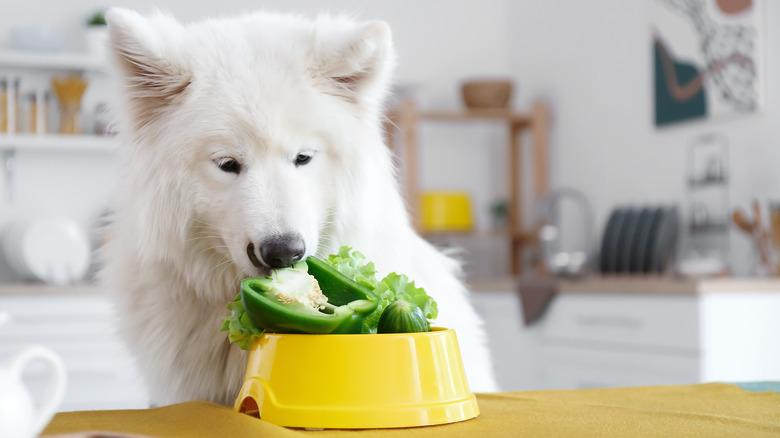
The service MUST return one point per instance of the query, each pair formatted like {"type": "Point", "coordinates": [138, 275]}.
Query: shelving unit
{"type": "Point", "coordinates": [57, 142]}
{"type": "Point", "coordinates": [17, 62]}
{"type": "Point", "coordinates": [52, 61]}
{"type": "Point", "coordinates": [708, 213]}
{"type": "Point", "coordinates": [20, 63]}
{"type": "Point", "coordinates": [407, 119]}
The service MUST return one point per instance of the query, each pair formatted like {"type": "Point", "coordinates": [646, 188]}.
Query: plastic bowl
{"type": "Point", "coordinates": [357, 381]}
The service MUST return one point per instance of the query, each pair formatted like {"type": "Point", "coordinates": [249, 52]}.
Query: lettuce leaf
{"type": "Point", "coordinates": [354, 265]}
{"type": "Point", "coordinates": [238, 325]}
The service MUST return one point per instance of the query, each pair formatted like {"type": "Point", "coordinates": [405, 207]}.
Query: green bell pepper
{"type": "Point", "coordinates": [290, 301]}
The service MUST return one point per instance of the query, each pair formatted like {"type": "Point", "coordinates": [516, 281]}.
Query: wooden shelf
{"type": "Point", "coordinates": [52, 61]}
{"type": "Point", "coordinates": [504, 115]}
{"type": "Point", "coordinates": [57, 143]}
{"type": "Point", "coordinates": [528, 236]}
{"type": "Point", "coordinates": [407, 119]}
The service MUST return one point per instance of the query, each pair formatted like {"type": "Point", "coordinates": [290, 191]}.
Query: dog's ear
{"type": "Point", "coordinates": [356, 68]}
{"type": "Point", "coordinates": [152, 81]}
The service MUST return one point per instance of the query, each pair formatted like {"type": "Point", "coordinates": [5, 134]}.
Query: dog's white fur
{"type": "Point", "coordinates": [259, 89]}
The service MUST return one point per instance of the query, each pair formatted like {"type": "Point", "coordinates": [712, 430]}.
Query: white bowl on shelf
{"type": "Point", "coordinates": [49, 249]}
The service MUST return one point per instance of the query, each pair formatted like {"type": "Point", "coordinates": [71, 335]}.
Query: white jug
{"type": "Point", "coordinates": [18, 417]}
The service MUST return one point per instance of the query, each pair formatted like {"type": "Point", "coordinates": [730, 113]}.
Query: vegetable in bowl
{"type": "Point", "coordinates": [336, 295]}
{"type": "Point", "coordinates": [402, 317]}
{"type": "Point", "coordinates": [291, 300]}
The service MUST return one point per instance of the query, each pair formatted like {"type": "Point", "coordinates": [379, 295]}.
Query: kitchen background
{"type": "Point", "coordinates": [590, 62]}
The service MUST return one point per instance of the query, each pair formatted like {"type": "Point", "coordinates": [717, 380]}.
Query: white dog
{"type": "Point", "coordinates": [249, 143]}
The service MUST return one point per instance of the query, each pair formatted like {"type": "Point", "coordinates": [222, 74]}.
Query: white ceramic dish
{"type": "Point", "coordinates": [50, 249]}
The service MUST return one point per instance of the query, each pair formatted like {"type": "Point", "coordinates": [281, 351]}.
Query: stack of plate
{"type": "Point", "coordinates": [639, 240]}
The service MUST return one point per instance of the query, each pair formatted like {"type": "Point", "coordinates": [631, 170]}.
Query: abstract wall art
{"type": "Point", "coordinates": [706, 58]}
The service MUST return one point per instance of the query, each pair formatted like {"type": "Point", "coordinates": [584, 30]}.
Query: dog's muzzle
{"type": "Point", "coordinates": [279, 251]}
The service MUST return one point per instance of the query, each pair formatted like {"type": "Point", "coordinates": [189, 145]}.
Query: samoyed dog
{"type": "Point", "coordinates": [247, 144]}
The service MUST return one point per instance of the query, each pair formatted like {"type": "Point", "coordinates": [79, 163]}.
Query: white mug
{"type": "Point", "coordinates": [18, 417]}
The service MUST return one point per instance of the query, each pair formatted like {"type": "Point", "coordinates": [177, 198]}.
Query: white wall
{"type": "Point", "coordinates": [438, 42]}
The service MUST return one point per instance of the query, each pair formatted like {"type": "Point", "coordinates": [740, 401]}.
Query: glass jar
{"type": "Point", "coordinates": [37, 104]}
{"type": "Point", "coordinates": [69, 91]}
{"type": "Point", "coordinates": [3, 105]}
{"type": "Point", "coordinates": [102, 119]}
{"type": "Point", "coordinates": [9, 105]}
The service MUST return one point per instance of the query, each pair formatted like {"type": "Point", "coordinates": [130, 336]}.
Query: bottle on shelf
{"type": "Point", "coordinates": [37, 104]}
{"type": "Point", "coordinates": [103, 120]}
{"type": "Point", "coordinates": [3, 105]}
{"type": "Point", "coordinates": [9, 105]}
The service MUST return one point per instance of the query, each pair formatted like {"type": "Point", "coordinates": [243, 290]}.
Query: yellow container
{"type": "Point", "coordinates": [447, 211]}
{"type": "Point", "coordinates": [357, 381]}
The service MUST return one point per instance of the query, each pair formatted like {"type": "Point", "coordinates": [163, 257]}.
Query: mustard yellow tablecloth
{"type": "Point", "coordinates": [707, 410]}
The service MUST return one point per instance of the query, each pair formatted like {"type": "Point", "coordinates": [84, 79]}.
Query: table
{"type": "Point", "coordinates": [715, 409]}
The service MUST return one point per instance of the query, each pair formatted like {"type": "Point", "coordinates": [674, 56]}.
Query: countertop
{"type": "Point", "coordinates": [668, 285]}
{"type": "Point", "coordinates": [594, 284]}
{"type": "Point", "coordinates": [41, 289]}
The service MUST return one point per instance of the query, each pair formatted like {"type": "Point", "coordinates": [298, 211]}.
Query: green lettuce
{"type": "Point", "coordinates": [354, 265]}
{"type": "Point", "coordinates": [240, 329]}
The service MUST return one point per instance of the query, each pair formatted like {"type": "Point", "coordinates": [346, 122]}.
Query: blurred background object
{"type": "Point", "coordinates": [446, 212]}
{"type": "Point", "coordinates": [574, 260]}
{"type": "Point", "coordinates": [487, 93]}
{"type": "Point", "coordinates": [38, 38]}
{"type": "Point", "coordinates": [705, 249]}
{"type": "Point", "coordinates": [69, 91]}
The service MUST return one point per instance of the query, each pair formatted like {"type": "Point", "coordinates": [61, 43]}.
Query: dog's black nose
{"type": "Point", "coordinates": [282, 250]}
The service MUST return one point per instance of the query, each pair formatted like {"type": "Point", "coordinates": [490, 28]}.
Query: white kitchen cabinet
{"type": "Point", "coordinates": [78, 323]}
{"type": "Point", "coordinates": [618, 332]}
{"type": "Point", "coordinates": [513, 347]}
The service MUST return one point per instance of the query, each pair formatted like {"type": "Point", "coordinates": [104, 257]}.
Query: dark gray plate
{"type": "Point", "coordinates": [625, 240]}
{"type": "Point", "coordinates": [647, 240]}
{"type": "Point", "coordinates": [606, 239]}
{"type": "Point", "coordinates": [639, 241]}
{"type": "Point", "coordinates": [613, 236]}
{"type": "Point", "coordinates": [666, 241]}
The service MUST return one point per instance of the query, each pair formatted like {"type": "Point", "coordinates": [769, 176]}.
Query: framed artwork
{"type": "Point", "coordinates": [706, 58]}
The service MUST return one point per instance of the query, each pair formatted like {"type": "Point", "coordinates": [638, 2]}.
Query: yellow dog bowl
{"type": "Point", "coordinates": [446, 211]}
{"type": "Point", "coordinates": [357, 381]}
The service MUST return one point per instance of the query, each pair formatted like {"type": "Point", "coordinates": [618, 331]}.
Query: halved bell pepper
{"type": "Point", "coordinates": [269, 304]}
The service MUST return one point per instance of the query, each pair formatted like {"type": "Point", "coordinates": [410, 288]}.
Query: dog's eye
{"type": "Point", "coordinates": [229, 165]}
{"type": "Point", "coordinates": [302, 159]}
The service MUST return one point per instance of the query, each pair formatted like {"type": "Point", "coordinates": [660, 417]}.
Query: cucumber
{"type": "Point", "coordinates": [402, 317]}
